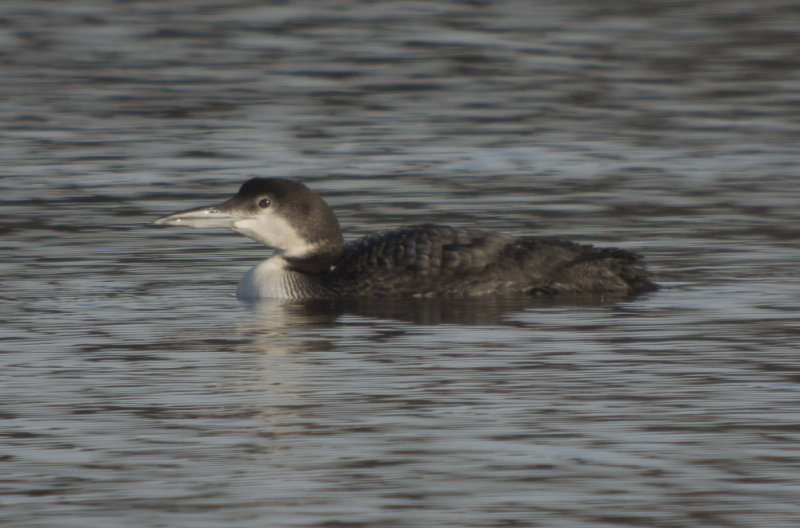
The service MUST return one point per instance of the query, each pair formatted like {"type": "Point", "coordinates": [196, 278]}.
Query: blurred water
{"type": "Point", "coordinates": [136, 391]}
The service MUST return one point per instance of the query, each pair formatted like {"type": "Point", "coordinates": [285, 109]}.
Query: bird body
{"type": "Point", "coordinates": [312, 262]}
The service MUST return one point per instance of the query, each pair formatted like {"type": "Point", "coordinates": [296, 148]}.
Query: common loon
{"type": "Point", "coordinates": [311, 260]}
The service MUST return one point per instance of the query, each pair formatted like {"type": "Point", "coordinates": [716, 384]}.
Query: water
{"type": "Point", "coordinates": [136, 390]}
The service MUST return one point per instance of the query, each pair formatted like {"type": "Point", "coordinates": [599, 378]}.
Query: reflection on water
{"type": "Point", "coordinates": [135, 390]}
{"type": "Point", "coordinates": [491, 310]}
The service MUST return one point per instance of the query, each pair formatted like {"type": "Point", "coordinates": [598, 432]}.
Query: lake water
{"type": "Point", "coordinates": [135, 390]}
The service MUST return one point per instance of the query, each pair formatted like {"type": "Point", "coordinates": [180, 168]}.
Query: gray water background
{"type": "Point", "coordinates": [136, 391]}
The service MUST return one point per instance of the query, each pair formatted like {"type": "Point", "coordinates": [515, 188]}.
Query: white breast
{"type": "Point", "coordinates": [267, 280]}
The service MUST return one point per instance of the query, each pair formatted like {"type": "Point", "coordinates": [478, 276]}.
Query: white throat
{"type": "Point", "coordinates": [274, 231]}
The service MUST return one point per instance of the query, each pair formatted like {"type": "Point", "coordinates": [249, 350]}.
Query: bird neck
{"type": "Point", "coordinates": [314, 263]}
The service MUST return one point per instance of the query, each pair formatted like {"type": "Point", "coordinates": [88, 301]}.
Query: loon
{"type": "Point", "coordinates": [311, 260]}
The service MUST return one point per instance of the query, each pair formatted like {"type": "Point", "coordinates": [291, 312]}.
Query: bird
{"type": "Point", "coordinates": [311, 260]}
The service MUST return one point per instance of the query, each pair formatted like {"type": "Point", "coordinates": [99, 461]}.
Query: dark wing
{"type": "Point", "coordinates": [425, 250]}
{"type": "Point", "coordinates": [602, 270]}
{"type": "Point", "coordinates": [441, 260]}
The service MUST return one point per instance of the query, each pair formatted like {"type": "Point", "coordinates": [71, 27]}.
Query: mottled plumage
{"type": "Point", "coordinates": [430, 260]}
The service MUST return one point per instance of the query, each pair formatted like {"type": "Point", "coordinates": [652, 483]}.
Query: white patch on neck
{"type": "Point", "coordinates": [266, 280]}
{"type": "Point", "coordinates": [274, 231]}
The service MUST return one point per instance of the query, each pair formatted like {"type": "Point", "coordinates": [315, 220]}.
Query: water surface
{"type": "Point", "coordinates": [135, 390]}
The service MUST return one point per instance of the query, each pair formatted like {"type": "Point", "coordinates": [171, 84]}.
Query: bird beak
{"type": "Point", "coordinates": [215, 216]}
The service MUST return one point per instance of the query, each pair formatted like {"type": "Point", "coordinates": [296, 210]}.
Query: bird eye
{"type": "Point", "coordinates": [264, 203]}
